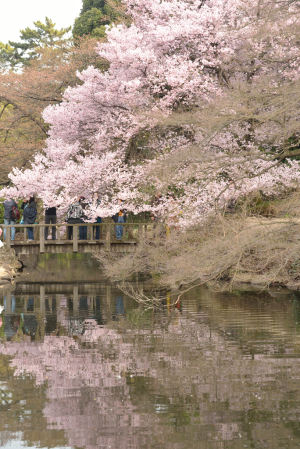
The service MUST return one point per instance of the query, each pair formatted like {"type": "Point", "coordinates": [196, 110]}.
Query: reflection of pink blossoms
{"type": "Point", "coordinates": [192, 363]}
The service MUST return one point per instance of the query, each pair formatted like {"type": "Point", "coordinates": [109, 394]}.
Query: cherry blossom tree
{"type": "Point", "coordinates": [25, 94]}
{"type": "Point", "coordinates": [206, 82]}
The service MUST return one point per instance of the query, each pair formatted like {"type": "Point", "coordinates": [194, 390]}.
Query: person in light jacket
{"type": "Point", "coordinates": [120, 217]}
{"type": "Point", "coordinates": [74, 214]}
{"type": "Point", "coordinates": [8, 220]}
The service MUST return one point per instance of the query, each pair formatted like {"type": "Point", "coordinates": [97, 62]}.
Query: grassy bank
{"type": "Point", "coordinates": [258, 243]}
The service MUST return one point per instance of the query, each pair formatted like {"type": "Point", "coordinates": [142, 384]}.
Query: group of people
{"type": "Point", "coordinates": [11, 214]}
{"type": "Point", "coordinates": [76, 214]}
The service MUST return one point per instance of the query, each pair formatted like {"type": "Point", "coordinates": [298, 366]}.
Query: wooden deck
{"type": "Point", "coordinates": [132, 234]}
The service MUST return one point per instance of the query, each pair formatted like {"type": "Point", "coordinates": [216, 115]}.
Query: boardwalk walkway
{"type": "Point", "coordinates": [132, 234]}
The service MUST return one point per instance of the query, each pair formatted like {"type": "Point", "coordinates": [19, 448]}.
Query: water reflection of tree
{"type": "Point", "coordinates": [21, 409]}
{"type": "Point", "coordinates": [167, 378]}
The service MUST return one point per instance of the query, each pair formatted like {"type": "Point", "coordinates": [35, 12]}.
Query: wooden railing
{"type": "Point", "coordinates": [132, 233]}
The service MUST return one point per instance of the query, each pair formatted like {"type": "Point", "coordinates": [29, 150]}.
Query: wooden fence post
{"type": "Point", "coordinates": [37, 229]}
{"type": "Point", "coordinates": [130, 231]}
{"type": "Point", "coordinates": [75, 298]}
{"type": "Point", "coordinates": [108, 239]}
{"type": "Point", "coordinates": [141, 231]}
{"type": "Point", "coordinates": [42, 298]}
{"type": "Point", "coordinates": [75, 239]}
{"type": "Point", "coordinates": [8, 243]}
{"type": "Point", "coordinates": [8, 302]}
{"type": "Point", "coordinates": [42, 239]}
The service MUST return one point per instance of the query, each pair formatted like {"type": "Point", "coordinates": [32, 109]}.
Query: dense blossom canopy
{"type": "Point", "coordinates": [184, 58]}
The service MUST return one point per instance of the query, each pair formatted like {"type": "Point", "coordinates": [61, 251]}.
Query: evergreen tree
{"type": "Point", "coordinates": [87, 5]}
{"type": "Point", "coordinates": [16, 54]}
{"type": "Point", "coordinates": [95, 15]}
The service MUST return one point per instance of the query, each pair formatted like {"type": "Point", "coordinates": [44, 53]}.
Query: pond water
{"type": "Point", "coordinates": [82, 367]}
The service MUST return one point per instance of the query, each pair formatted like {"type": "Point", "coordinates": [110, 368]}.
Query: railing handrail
{"type": "Point", "coordinates": [2, 225]}
{"type": "Point", "coordinates": [103, 235]}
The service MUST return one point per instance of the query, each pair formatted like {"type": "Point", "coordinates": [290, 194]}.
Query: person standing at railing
{"type": "Point", "coordinates": [83, 229]}
{"type": "Point", "coordinates": [50, 217]}
{"type": "Point", "coordinates": [96, 229]}
{"type": "Point", "coordinates": [8, 218]}
{"type": "Point", "coordinates": [23, 206]}
{"type": "Point", "coordinates": [120, 217]}
{"type": "Point", "coordinates": [29, 217]}
{"type": "Point", "coordinates": [25, 203]}
{"type": "Point", "coordinates": [74, 214]}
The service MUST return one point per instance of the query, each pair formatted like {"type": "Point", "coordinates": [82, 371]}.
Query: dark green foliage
{"type": "Point", "coordinates": [94, 16]}
{"type": "Point", "coordinates": [91, 23]}
{"type": "Point", "coordinates": [33, 40]}
{"type": "Point", "coordinates": [87, 5]}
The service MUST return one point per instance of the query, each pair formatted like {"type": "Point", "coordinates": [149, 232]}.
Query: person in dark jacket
{"type": "Point", "coordinates": [120, 217]}
{"type": "Point", "coordinates": [24, 204]}
{"type": "Point", "coordinates": [29, 216]}
{"type": "Point", "coordinates": [83, 229]}
{"type": "Point", "coordinates": [50, 217]}
{"type": "Point", "coordinates": [8, 220]}
{"type": "Point", "coordinates": [96, 229]}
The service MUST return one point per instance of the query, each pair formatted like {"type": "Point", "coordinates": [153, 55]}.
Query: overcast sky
{"type": "Point", "coordinates": [16, 15]}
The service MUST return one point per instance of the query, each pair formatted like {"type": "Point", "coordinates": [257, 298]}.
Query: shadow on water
{"type": "Point", "coordinates": [82, 367]}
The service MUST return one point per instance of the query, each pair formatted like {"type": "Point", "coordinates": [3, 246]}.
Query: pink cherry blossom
{"type": "Point", "coordinates": [171, 57]}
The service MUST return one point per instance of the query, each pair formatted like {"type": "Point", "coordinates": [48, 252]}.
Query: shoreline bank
{"type": "Point", "coordinates": [9, 266]}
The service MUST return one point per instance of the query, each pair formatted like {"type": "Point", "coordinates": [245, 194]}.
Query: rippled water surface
{"type": "Point", "coordinates": [82, 367]}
